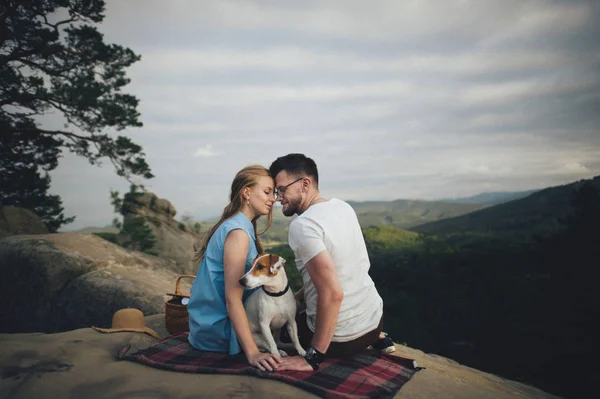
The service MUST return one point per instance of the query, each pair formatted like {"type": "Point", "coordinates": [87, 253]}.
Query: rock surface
{"type": "Point", "coordinates": [15, 221]}
{"type": "Point", "coordinates": [60, 282]}
{"type": "Point", "coordinates": [82, 364]}
{"type": "Point", "coordinates": [174, 240]}
{"type": "Point", "coordinates": [68, 282]}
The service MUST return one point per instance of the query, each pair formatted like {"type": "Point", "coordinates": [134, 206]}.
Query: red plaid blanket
{"type": "Point", "coordinates": [366, 375]}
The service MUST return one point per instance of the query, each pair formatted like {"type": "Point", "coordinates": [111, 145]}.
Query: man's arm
{"type": "Point", "coordinates": [306, 239]}
{"type": "Point", "coordinates": [323, 275]}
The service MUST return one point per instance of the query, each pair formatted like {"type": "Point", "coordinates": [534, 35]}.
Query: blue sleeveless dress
{"type": "Point", "coordinates": [210, 326]}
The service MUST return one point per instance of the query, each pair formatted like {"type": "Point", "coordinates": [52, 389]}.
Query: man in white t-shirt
{"type": "Point", "coordinates": [344, 312]}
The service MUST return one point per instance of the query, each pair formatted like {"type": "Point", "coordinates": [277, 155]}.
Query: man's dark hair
{"type": "Point", "coordinates": [295, 164]}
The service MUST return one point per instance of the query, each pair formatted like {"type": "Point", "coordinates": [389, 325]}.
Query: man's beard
{"type": "Point", "coordinates": [292, 207]}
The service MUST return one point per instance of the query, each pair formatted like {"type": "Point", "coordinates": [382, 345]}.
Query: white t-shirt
{"type": "Point", "coordinates": [333, 225]}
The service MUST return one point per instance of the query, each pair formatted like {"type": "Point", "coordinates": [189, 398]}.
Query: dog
{"type": "Point", "coordinates": [270, 308]}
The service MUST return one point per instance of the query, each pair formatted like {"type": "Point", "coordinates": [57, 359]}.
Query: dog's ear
{"type": "Point", "coordinates": [276, 262]}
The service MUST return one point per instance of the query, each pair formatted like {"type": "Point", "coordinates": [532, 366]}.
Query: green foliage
{"type": "Point", "coordinates": [54, 65]}
{"type": "Point", "coordinates": [188, 220]}
{"type": "Point", "coordinates": [136, 233]}
{"type": "Point", "coordinates": [106, 229]}
{"type": "Point", "coordinates": [278, 232]}
{"type": "Point", "coordinates": [181, 226]}
{"type": "Point", "coordinates": [512, 307]}
{"type": "Point", "coordinates": [388, 237]}
{"type": "Point", "coordinates": [382, 237]}
{"type": "Point", "coordinates": [139, 236]}
{"type": "Point", "coordinates": [401, 214]}
{"type": "Point", "coordinates": [117, 202]}
{"type": "Point", "coordinates": [25, 161]}
{"type": "Point", "coordinates": [291, 271]}
{"type": "Point", "coordinates": [112, 237]}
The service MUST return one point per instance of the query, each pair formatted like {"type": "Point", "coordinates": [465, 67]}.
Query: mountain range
{"type": "Point", "coordinates": [506, 212]}
{"type": "Point", "coordinates": [491, 198]}
{"type": "Point", "coordinates": [540, 213]}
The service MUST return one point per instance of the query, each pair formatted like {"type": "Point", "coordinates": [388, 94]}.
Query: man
{"type": "Point", "coordinates": [344, 312]}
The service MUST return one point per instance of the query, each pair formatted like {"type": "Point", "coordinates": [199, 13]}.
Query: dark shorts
{"type": "Point", "coordinates": [337, 348]}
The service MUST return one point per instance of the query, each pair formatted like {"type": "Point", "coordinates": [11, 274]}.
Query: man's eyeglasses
{"type": "Point", "coordinates": [280, 190]}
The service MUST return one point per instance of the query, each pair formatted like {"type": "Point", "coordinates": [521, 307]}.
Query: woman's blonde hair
{"type": "Point", "coordinates": [247, 177]}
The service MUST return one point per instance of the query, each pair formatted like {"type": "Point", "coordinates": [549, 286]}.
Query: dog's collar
{"type": "Point", "coordinates": [280, 293]}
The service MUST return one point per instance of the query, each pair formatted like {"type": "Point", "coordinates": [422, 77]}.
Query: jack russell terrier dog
{"type": "Point", "coordinates": [271, 307]}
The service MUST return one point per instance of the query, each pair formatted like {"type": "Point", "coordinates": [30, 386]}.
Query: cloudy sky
{"type": "Point", "coordinates": [392, 99]}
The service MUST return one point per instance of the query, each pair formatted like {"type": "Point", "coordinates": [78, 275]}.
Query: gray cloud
{"type": "Point", "coordinates": [392, 99]}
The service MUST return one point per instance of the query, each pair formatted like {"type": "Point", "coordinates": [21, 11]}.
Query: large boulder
{"type": "Point", "coordinates": [175, 241]}
{"type": "Point", "coordinates": [83, 364]}
{"type": "Point", "coordinates": [15, 221]}
{"type": "Point", "coordinates": [59, 282]}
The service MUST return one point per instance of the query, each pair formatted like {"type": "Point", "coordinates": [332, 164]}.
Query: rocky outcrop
{"type": "Point", "coordinates": [15, 221]}
{"type": "Point", "coordinates": [83, 364]}
{"type": "Point", "coordinates": [69, 282]}
{"type": "Point", "coordinates": [174, 240]}
{"type": "Point", "coordinates": [59, 282]}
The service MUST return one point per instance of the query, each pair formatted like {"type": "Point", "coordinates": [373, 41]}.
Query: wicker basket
{"type": "Point", "coordinates": [176, 314]}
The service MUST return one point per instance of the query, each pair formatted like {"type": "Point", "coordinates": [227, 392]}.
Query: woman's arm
{"type": "Point", "coordinates": [234, 259]}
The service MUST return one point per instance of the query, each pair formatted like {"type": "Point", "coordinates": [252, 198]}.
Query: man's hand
{"type": "Point", "coordinates": [295, 363]}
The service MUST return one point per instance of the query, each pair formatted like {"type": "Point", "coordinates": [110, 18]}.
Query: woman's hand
{"type": "Point", "coordinates": [264, 361]}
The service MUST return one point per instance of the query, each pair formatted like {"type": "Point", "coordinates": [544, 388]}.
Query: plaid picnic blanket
{"type": "Point", "coordinates": [366, 375]}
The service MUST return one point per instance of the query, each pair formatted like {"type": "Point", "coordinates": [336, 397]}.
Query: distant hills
{"type": "Point", "coordinates": [538, 213]}
{"type": "Point", "coordinates": [106, 229]}
{"type": "Point", "coordinates": [491, 198]}
{"type": "Point", "coordinates": [497, 211]}
{"type": "Point", "coordinates": [400, 213]}
{"type": "Point", "coordinates": [407, 213]}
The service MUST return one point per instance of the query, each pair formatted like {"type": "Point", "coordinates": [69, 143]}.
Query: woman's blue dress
{"type": "Point", "coordinates": [210, 326]}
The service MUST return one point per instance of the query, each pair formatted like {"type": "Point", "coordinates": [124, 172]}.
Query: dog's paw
{"type": "Point", "coordinates": [302, 352]}
{"type": "Point", "coordinates": [282, 353]}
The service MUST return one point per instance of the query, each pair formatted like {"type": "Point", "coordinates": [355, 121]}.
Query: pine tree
{"type": "Point", "coordinates": [54, 60]}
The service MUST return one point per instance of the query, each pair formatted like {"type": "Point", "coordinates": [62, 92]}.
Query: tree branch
{"type": "Point", "coordinates": [65, 112]}
{"type": "Point", "coordinates": [57, 133]}
{"type": "Point", "coordinates": [50, 48]}
{"type": "Point", "coordinates": [31, 64]}
{"type": "Point", "coordinates": [59, 23]}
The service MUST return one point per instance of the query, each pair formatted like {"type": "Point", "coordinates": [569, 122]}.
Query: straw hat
{"type": "Point", "coordinates": [128, 320]}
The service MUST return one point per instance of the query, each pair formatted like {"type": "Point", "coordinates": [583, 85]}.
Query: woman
{"type": "Point", "coordinates": [218, 321]}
